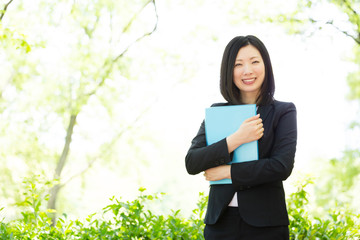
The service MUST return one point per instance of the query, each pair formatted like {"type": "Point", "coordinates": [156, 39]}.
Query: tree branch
{"type": "Point", "coordinates": [134, 17]}
{"type": "Point", "coordinates": [112, 143]}
{"type": "Point", "coordinates": [109, 63]}
{"type": "Point", "coordinates": [356, 39]}
{"type": "Point", "coordinates": [143, 36]}
{"type": "Point", "coordinates": [107, 72]}
{"type": "Point", "coordinates": [351, 9]}
{"type": "Point", "coordinates": [89, 32]}
{"type": "Point", "coordinates": [79, 173]}
{"type": "Point", "coordinates": [114, 140]}
{"type": "Point", "coordinates": [4, 10]}
{"type": "Point", "coordinates": [331, 22]}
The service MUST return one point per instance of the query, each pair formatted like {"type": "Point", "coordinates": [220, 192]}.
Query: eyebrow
{"type": "Point", "coordinates": [250, 58]}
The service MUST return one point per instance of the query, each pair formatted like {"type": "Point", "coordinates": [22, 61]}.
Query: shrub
{"type": "Point", "coordinates": [133, 220]}
{"type": "Point", "coordinates": [340, 223]}
{"type": "Point", "coordinates": [119, 220]}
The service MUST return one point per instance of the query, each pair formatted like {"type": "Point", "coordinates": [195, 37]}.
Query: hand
{"type": "Point", "coordinates": [218, 173]}
{"type": "Point", "coordinates": [250, 130]}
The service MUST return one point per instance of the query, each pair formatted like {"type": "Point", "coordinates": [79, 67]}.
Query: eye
{"type": "Point", "coordinates": [238, 64]}
{"type": "Point", "coordinates": [255, 62]}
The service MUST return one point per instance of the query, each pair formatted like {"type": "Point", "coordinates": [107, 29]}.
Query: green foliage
{"type": "Point", "coordinates": [134, 220]}
{"type": "Point", "coordinates": [305, 19]}
{"type": "Point", "coordinates": [299, 222]}
{"type": "Point", "coordinates": [345, 169]}
{"type": "Point", "coordinates": [338, 223]}
{"type": "Point", "coordinates": [119, 220]}
{"type": "Point", "coordinates": [353, 78]}
{"type": "Point", "coordinates": [35, 193]}
{"type": "Point", "coordinates": [351, 9]}
{"type": "Point", "coordinates": [76, 67]}
{"type": "Point", "coordinates": [337, 181]}
{"type": "Point", "coordinates": [12, 39]}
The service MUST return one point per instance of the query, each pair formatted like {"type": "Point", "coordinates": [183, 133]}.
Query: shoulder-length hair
{"type": "Point", "coordinates": [227, 86]}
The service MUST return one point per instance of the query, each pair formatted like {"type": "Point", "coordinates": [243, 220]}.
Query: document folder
{"type": "Point", "coordinates": [223, 121]}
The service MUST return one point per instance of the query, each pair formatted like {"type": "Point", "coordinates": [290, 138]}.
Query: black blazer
{"type": "Point", "coordinates": [260, 192]}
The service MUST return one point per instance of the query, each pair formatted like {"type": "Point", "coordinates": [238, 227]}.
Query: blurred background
{"type": "Point", "coordinates": [104, 97]}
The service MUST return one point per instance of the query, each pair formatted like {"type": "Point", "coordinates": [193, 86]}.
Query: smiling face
{"type": "Point", "coordinates": [249, 73]}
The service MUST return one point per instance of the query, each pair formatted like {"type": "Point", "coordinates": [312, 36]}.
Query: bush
{"type": "Point", "coordinates": [119, 220]}
{"type": "Point", "coordinates": [340, 223]}
{"type": "Point", "coordinates": [132, 220]}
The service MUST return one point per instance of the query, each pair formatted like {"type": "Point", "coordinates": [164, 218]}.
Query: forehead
{"type": "Point", "coordinates": [248, 52]}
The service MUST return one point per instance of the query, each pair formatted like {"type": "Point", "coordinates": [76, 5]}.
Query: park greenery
{"type": "Point", "coordinates": [72, 106]}
{"type": "Point", "coordinates": [134, 219]}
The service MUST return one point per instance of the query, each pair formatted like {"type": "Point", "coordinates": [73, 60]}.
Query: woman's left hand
{"type": "Point", "coordinates": [218, 173]}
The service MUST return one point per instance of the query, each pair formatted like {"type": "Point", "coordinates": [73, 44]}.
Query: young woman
{"type": "Point", "coordinates": [253, 206]}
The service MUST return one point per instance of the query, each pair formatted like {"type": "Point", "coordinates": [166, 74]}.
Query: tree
{"type": "Point", "coordinates": [92, 59]}
{"type": "Point", "coordinates": [306, 20]}
{"type": "Point", "coordinates": [339, 177]}
{"type": "Point", "coordinates": [3, 11]}
{"type": "Point", "coordinates": [103, 72]}
{"type": "Point", "coordinates": [8, 36]}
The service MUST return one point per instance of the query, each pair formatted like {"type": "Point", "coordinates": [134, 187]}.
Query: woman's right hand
{"type": "Point", "coordinates": [250, 130]}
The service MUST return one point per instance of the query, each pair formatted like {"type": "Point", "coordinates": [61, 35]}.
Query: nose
{"type": "Point", "coordinates": [247, 69]}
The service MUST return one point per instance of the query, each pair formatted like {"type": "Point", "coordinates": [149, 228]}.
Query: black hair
{"type": "Point", "coordinates": [227, 86]}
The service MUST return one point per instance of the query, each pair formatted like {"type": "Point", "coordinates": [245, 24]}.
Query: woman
{"type": "Point", "coordinates": [253, 206]}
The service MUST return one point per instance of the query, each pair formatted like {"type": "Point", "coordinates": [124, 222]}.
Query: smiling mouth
{"type": "Point", "coordinates": [249, 81]}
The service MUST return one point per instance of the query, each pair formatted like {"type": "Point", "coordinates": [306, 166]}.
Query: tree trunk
{"type": "Point", "coordinates": [60, 165]}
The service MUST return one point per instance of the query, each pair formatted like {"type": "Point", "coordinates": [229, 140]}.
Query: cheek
{"type": "Point", "coordinates": [237, 74]}
{"type": "Point", "coordinates": [260, 72]}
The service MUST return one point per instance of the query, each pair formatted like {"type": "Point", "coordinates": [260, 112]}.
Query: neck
{"type": "Point", "coordinates": [248, 98]}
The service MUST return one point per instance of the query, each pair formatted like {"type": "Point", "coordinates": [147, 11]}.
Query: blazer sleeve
{"type": "Point", "coordinates": [278, 164]}
{"type": "Point", "coordinates": [201, 157]}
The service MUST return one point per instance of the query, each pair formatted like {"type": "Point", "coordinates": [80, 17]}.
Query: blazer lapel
{"type": "Point", "coordinates": [265, 110]}
{"type": "Point", "coordinates": [264, 113]}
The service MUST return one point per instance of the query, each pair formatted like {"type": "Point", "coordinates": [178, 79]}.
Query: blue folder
{"type": "Point", "coordinates": [223, 121]}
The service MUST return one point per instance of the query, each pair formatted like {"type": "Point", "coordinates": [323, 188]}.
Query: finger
{"type": "Point", "coordinates": [261, 133]}
{"type": "Point", "coordinates": [256, 121]}
{"type": "Point", "coordinates": [252, 118]}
